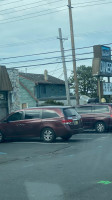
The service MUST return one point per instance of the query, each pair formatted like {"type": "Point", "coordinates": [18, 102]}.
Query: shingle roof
{"type": "Point", "coordinates": [5, 83]}
{"type": "Point", "coordinates": [39, 78]}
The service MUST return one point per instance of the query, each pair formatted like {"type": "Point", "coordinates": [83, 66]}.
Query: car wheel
{"type": "Point", "coordinates": [66, 138]}
{"type": "Point", "coordinates": [100, 127]}
{"type": "Point", "coordinates": [1, 137]}
{"type": "Point", "coordinates": [48, 135]}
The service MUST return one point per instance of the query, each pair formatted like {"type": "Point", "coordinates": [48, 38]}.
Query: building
{"type": "Point", "coordinates": [5, 89]}
{"type": "Point", "coordinates": [38, 88]}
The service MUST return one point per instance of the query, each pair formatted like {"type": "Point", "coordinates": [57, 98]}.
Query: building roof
{"type": "Point", "coordinates": [5, 83]}
{"type": "Point", "coordinates": [40, 78]}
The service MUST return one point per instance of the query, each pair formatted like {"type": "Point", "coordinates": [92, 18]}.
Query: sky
{"type": "Point", "coordinates": [29, 33]}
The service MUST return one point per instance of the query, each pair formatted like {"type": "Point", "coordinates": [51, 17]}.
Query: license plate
{"type": "Point", "coordinates": [75, 122]}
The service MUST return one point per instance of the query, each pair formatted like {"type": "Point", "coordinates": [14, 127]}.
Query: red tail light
{"type": "Point", "coordinates": [110, 115]}
{"type": "Point", "coordinates": [67, 121]}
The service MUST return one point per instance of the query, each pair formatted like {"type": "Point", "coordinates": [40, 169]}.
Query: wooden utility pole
{"type": "Point", "coordinates": [64, 67]}
{"type": "Point", "coordinates": [73, 52]}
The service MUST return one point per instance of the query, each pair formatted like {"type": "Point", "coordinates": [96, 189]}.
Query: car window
{"type": "Point", "coordinates": [33, 114]}
{"type": "Point", "coordinates": [16, 116]}
{"type": "Point", "coordinates": [84, 109]}
{"type": "Point", "coordinates": [49, 114]}
{"type": "Point", "coordinates": [70, 112]}
{"type": "Point", "coordinates": [101, 109]}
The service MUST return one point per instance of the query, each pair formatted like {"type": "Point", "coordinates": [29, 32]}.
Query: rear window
{"type": "Point", "coordinates": [68, 112]}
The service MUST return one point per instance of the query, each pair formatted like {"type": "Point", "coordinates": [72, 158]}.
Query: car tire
{"type": "Point", "coordinates": [1, 137]}
{"type": "Point", "coordinates": [100, 127]}
{"type": "Point", "coordinates": [48, 135]}
{"type": "Point", "coordinates": [66, 138]}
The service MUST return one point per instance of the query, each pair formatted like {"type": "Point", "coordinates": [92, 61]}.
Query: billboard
{"type": "Point", "coordinates": [102, 67]}
{"type": "Point", "coordinates": [102, 52]}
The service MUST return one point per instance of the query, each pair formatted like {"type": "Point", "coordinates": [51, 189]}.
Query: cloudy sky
{"type": "Point", "coordinates": [29, 31]}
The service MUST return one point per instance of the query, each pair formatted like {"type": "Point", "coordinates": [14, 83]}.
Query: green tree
{"type": "Point", "coordinates": [87, 83]}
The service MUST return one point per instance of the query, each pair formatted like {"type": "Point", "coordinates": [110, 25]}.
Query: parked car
{"type": "Point", "coordinates": [44, 122]}
{"type": "Point", "coordinates": [96, 116]}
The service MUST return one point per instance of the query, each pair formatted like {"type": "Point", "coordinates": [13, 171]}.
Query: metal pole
{"type": "Point", "coordinates": [99, 89]}
{"type": "Point", "coordinates": [73, 52]}
{"type": "Point", "coordinates": [64, 67]}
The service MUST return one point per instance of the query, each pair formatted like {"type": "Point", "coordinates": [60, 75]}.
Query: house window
{"type": "Point", "coordinates": [43, 89]}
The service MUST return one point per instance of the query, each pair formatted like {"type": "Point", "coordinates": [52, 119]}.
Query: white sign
{"type": "Point", "coordinates": [107, 88]}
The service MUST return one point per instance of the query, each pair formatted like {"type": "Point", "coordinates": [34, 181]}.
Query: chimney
{"type": "Point", "coordinates": [46, 75]}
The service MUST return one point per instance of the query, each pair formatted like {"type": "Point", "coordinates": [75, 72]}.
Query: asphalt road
{"type": "Point", "coordinates": [80, 169]}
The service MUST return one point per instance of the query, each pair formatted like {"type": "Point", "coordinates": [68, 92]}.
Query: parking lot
{"type": "Point", "coordinates": [74, 170]}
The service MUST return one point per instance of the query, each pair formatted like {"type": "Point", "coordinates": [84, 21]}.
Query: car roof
{"type": "Point", "coordinates": [95, 104]}
{"type": "Point", "coordinates": [52, 107]}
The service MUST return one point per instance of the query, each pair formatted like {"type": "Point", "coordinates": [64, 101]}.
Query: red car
{"type": "Point", "coordinates": [96, 116]}
{"type": "Point", "coordinates": [44, 122]}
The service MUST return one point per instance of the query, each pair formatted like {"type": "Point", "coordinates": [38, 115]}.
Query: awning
{"type": "Point", "coordinates": [5, 83]}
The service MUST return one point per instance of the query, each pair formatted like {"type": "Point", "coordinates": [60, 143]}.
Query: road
{"type": "Point", "coordinates": [80, 169]}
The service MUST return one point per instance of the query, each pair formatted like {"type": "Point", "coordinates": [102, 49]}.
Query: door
{"type": "Point", "coordinates": [13, 126]}
{"type": "Point", "coordinates": [23, 124]}
{"type": "Point", "coordinates": [87, 116]}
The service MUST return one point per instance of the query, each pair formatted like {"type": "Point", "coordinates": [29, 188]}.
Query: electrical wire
{"type": "Point", "coordinates": [50, 52]}
{"type": "Point", "coordinates": [31, 17]}
{"type": "Point", "coordinates": [16, 2]}
{"type": "Point", "coordinates": [32, 13]}
{"type": "Point", "coordinates": [43, 4]}
{"type": "Point", "coordinates": [43, 64]}
{"type": "Point", "coordinates": [43, 14]}
{"type": "Point", "coordinates": [26, 8]}
{"type": "Point", "coordinates": [41, 59]}
{"type": "Point", "coordinates": [89, 5]}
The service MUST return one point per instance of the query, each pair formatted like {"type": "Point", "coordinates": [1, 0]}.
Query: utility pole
{"type": "Point", "coordinates": [64, 67]}
{"type": "Point", "coordinates": [73, 52]}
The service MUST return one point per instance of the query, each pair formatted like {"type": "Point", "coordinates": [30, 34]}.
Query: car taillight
{"type": "Point", "coordinates": [67, 121]}
{"type": "Point", "coordinates": [110, 115]}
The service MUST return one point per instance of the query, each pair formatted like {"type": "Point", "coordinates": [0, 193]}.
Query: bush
{"type": "Point", "coordinates": [52, 102]}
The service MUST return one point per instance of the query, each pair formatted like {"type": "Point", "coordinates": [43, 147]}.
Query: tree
{"type": "Point", "coordinates": [87, 83]}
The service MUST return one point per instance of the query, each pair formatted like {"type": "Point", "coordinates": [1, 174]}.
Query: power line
{"type": "Point", "coordinates": [32, 16]}
{"type": "Point", "coordinates": [39, 5]}
{"type": "Point", "coordinates": [43, 14]}
{"type": "Point", "coordinates": [50, 63]}
{"type": "Point", "coordinates": [51, 52]}
{"type": "Point", "coordinates": [89, 2]}
{"type": "Point", "coordinates": [27, 8]}
{"type": "Point", "coordinates": [41, 59]}
{"type": "Point", "coordinates": [90, 5]}
{"type": "Point", "coordinates": [32, 13]}
{"type": "Point", "coordinates": [16, 2]}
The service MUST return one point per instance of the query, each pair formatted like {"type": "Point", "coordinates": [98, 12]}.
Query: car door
{"type": "Point", "coordinates": [32, 122]}
{"type": "Point", "coordinates": [86, 113]}
{"type": "Point", "coordinates": [12, 126]}
{"type": "Point", "coordinates": [23, 124]}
